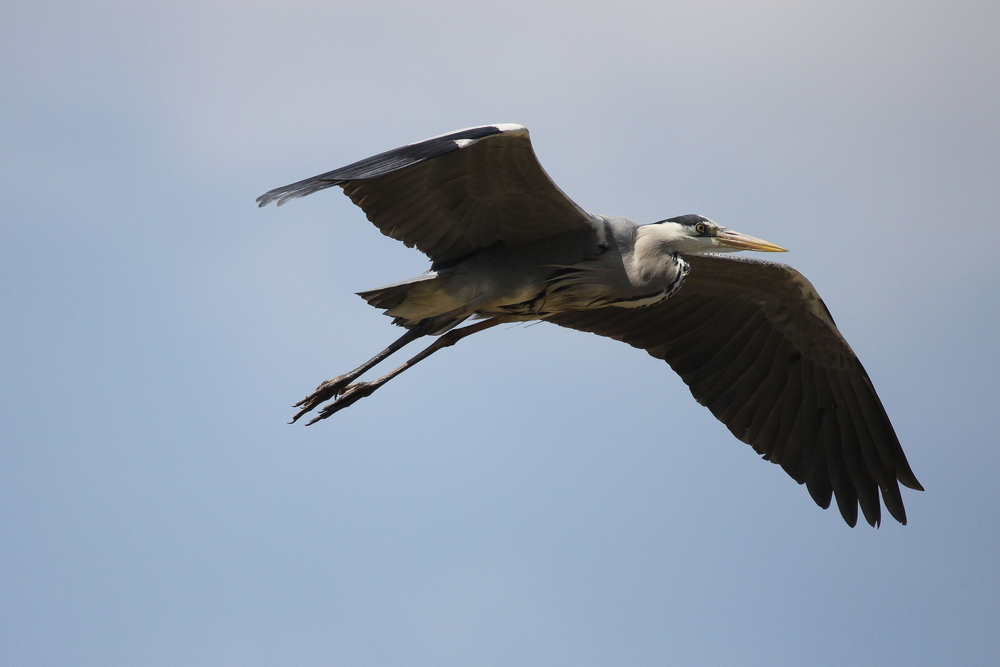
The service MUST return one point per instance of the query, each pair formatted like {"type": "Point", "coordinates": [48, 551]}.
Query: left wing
{"type": "Point", "coordinates": [455, 194]}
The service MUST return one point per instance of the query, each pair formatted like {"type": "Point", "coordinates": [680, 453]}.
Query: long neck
{"type": "Point", "coordinates": [653, 258]}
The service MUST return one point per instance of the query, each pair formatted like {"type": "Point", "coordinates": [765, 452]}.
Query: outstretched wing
{"type": "Point", "coordinates": [757, 346]}
{"type": "Point", "coordinates": [455, 194]}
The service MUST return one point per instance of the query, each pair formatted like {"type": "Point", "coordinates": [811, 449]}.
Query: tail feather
{"type": "Point", "coordinates": [393, 295]}
{"type": "Point", "coordinates": [419, 300]}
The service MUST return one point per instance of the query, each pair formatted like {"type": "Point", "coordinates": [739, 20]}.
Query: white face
{"type": "Point", "coordinates": [701, 235]}
{"type": "Point", "coordinates": [689, 239]}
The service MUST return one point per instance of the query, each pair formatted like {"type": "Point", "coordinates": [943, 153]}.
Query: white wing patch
{"type": "Point", "coordinates": [504, 128]}
{"type": "Point", "coordinates": [512, 128]}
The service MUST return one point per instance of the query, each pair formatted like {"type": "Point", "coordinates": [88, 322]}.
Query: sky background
{"type": "Point", "coordinates": [534, 495]}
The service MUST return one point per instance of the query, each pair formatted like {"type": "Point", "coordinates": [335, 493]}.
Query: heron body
{"type": "Point", "coordinates": [615, 263]}
{"type": "Point", "coordinates": [752, 339]}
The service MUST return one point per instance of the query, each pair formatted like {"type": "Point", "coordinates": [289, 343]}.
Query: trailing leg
{"type": "Point", "coordinates": [355, 392]}
{"type": "Point", "coordinates": [336, 386]}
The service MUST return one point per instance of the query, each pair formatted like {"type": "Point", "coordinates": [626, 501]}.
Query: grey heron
{"type": "Point", "coordinates": [752, 339]}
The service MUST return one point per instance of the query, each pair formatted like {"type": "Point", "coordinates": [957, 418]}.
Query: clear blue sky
{"type": "Point", "coordinates": [533, 496]}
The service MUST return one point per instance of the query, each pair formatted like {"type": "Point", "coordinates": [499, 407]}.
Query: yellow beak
{"type": "Point", "coordinates": [731, 239]}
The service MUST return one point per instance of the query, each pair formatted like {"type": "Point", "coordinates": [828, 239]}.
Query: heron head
{"type": "Point", "coordinates": [694, 234]}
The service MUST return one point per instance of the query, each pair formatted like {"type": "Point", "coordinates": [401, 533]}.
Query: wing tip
{"type": "Point", "coordinates": [286, 193]}
{"type": "Point", "coordinates": [282, 195]}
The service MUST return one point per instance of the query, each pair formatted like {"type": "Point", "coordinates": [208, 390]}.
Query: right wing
{"type": "Point", "coordinates": [757, 346]}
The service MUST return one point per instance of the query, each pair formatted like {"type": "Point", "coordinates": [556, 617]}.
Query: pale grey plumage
{"type": "Point", "coordinates": [752, 339]}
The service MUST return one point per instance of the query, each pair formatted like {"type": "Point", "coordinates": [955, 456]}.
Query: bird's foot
{"type": "Point", "coordinates": [323, 393]}
{"type": "Point", "coordinates": [348, 397]}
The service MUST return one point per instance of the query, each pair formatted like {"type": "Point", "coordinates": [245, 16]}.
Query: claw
{"type": "Point", "coordinates": [323, 393]}
{"type": "Point", "coordinates": [348, 397]}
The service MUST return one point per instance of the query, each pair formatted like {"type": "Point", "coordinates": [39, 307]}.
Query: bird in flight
{"type": "Point", "coordinates": [752, 339]}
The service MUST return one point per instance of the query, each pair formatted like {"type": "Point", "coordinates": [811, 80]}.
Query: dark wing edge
{"type": "Point", "coordinates": [756, 345]}
{"type": "Point", "coordinates": [455, 194]}
{"type": "Point", "coordinates": [387, 162]}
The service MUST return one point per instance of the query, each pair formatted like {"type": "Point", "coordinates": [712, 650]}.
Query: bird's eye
{"type": "Point", "coordinates": [700, 228]}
